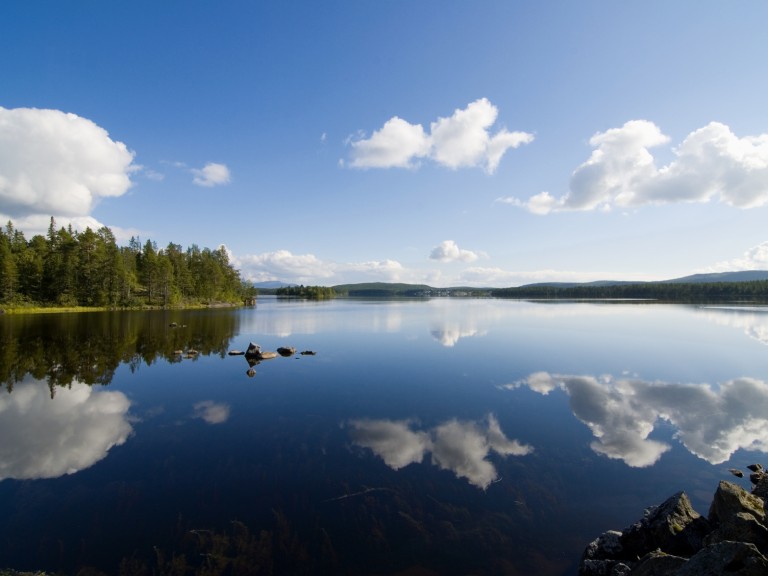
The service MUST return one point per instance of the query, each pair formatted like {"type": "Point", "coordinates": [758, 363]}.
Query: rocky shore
{"type": "Point", "coordinates": [672, 539]}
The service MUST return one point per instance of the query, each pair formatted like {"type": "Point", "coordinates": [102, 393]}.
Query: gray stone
{"type": "Point", "coordinates": [731, 499]}
{"type": "Point", "coordinates": [726, 559]}
{"type": "Point", "coordinates": [761, 489]}
{"type": "Point", "coordinates": [742, 527]}
{"type": "Point", "coordinates": [658, 563]}
{"type": "Point", "coordinates": [674, 527]}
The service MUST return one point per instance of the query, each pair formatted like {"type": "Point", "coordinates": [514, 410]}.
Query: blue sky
{"type": "Point", "coordinates": [489, 143]}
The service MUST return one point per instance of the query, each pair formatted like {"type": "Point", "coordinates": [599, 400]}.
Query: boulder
{"type": "Point", "coordinates": [658, 563]}
{"type": "Point", "coordinates": [286, 351]}
{"type": "Point", "coordinates": [730, 499]}
{"type": "Point", "coordinates": [726, 559]}
{"type": "Point", "coordinates": [761, 489]}
{"type": "Point", "coordinates": [672, 539]}
{"type": "Point", "coordinates": [674, 527]}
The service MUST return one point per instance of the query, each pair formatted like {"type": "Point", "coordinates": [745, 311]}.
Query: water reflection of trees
{"type": "Point", "coordinates": [88, 347]}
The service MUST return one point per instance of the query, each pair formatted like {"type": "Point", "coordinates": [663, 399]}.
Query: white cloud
{"type": "Point", "coordinates": [459, 446]}
{"type": "Point", "coordinates": [392, 440]}
{"type": "Point", "coordinates": [712, 423]}
{"type": "Point", "coordinates": [756, 258]}
{"type": "Point", "coordinates": [711, 163]}
{"type": "Point", "coordinates": [283, 265]}
{"type": "Point", "coordinates": [212, 412]}
{"type": "Point", "coordinates": [396, 145]}
{"type": "Point", "coordinates": [307, 268]}
{"type": "Point", "coordinates": [461, 140]}
{"type": "Point", "coordinates": [47, 438]}
{"type": "Point", "coordinates": [212, 174]}
{"type": "Point", "coordinates": [55, 163]}
{"type": "Point", "coordinates": [448, 251]}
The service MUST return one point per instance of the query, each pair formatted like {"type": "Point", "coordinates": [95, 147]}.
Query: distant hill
{"type": "Point", "coordinates": [272, 284]}
{"type": "Point", "coordinates": [381, 289]}
{"type": "Point", "coordinates": [742, 276]}
{"type": "Point", "coordinates": [746, 286]}
{"type": "Point", "coordinates": [387, 289]}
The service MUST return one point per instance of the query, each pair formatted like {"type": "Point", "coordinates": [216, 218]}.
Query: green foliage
{"type": "Point", "coordinates": [383, 289]}
{"type": "Point", "coordinates": [308, 292]}
{"type": "Point", "coordinates": [754, 291]}
{"type": "Point", "coordinates": [71, 268]}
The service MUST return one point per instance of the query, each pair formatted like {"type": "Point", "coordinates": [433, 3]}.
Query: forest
{"type": "Point", "coordinates": [752, 291]}
{"type": "Point", "coordinates": [306, 292]}
{"type": "Point", "coordinates": [68, 268]}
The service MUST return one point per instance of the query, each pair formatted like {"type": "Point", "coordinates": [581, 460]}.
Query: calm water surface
{"type": "Point", "coordinates": [443, 436]}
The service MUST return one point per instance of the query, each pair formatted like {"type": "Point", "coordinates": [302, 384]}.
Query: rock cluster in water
{"type": "Point", "coordinates": [673, 539]}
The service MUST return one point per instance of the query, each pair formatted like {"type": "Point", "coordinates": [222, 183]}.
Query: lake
{"type": "Point", "coordinates": [442, 436]}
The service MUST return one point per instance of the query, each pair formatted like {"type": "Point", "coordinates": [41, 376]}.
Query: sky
{"type": "Point", "coordinates": [453, 143]}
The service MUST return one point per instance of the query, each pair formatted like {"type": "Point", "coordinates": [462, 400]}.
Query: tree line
{"type": "Point", "coordinates": [308, 292]}
{"type": "Point", "coordinates": [70, 268]}
{"type": "Point", "coordinates": [752, 291]}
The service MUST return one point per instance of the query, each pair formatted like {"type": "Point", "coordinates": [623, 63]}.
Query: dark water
{"type": "Point", "coordinates": [447, 436]}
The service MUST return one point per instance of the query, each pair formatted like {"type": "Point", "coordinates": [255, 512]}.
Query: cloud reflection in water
{"type": "Point", "coordinates": [212, 412]}
{"type": "Point", "coordinates": [47, 438]}
{"type": "Point", "coordinates": [459, 446]}
{"type": "Point", "coordinates": [711, 423]}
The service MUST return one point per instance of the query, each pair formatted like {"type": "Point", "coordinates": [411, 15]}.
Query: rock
{"type": "Point", "coordinates": [236, 353]}
{"type": "Point", "coordinates": [742, 527]}
{"type": "Point", "coordinates": [674, 540]}
{"type": "Point", "coordinates": [761, 489]}
{"type": "Point", "coordinates": [255, 353]}
{"type": "Point", "coordinates": [658, 563]}
{"type": "Point", "coordinates": [308, 353]}
{"type": "Point", "coordinates": [607, 545]}
{"type": "Point", "coordinates": [251, 372]}
{"type": "Point", "coordinates": [286, 351]}
{"type": "Point", "coordinates": [755, 467]}
{"type": "Point", "coordinates": [736, 472]}
{"type": "Point", "coordinates": [731, 499]}
{"type": "Point", "coordinates": [726, 559]}
{"type": "Point", "coordinates": [755, 477]}
{"type": "Point", "coordinates": [674, 527]}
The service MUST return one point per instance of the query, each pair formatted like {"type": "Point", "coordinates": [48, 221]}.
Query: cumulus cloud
{"type": "Point", "coordinates": [461, 447]}
{"type": "Point", "coordinates": [212, 174]}
{"type": "Point", "coordinates": [448, 251]}
{"type": "Point", "coordinates": [391, 440]}
{"type": "Point", "coordinates": [710, 163]}
{"type": "Point", "coordinates": [55, 163]}
{"type": "Point", "coordinates": [711, 423]}
{"type": "Point", "coordinates": [212, 412]}
{"type": "Point", "coordinates": [307, 268]}
{"type": "Point", "coordinates": [461, 140]}
{"type": "Point", "coordinates": [47, 438]}
{"type": "Point", "coordinates": [756, 258]}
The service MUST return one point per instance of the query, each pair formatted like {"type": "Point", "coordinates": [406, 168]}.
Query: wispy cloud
{"type": "Point", "coordinates": [308, 268]}
{"type": "Point", "coordinates": [212, 174]}
{"type": "Point", "coordinates": [458, 141]}
{"type": "Point", "coordinates": [711, 163]}
{"type": "Point", "coordinates": [212, 412]}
